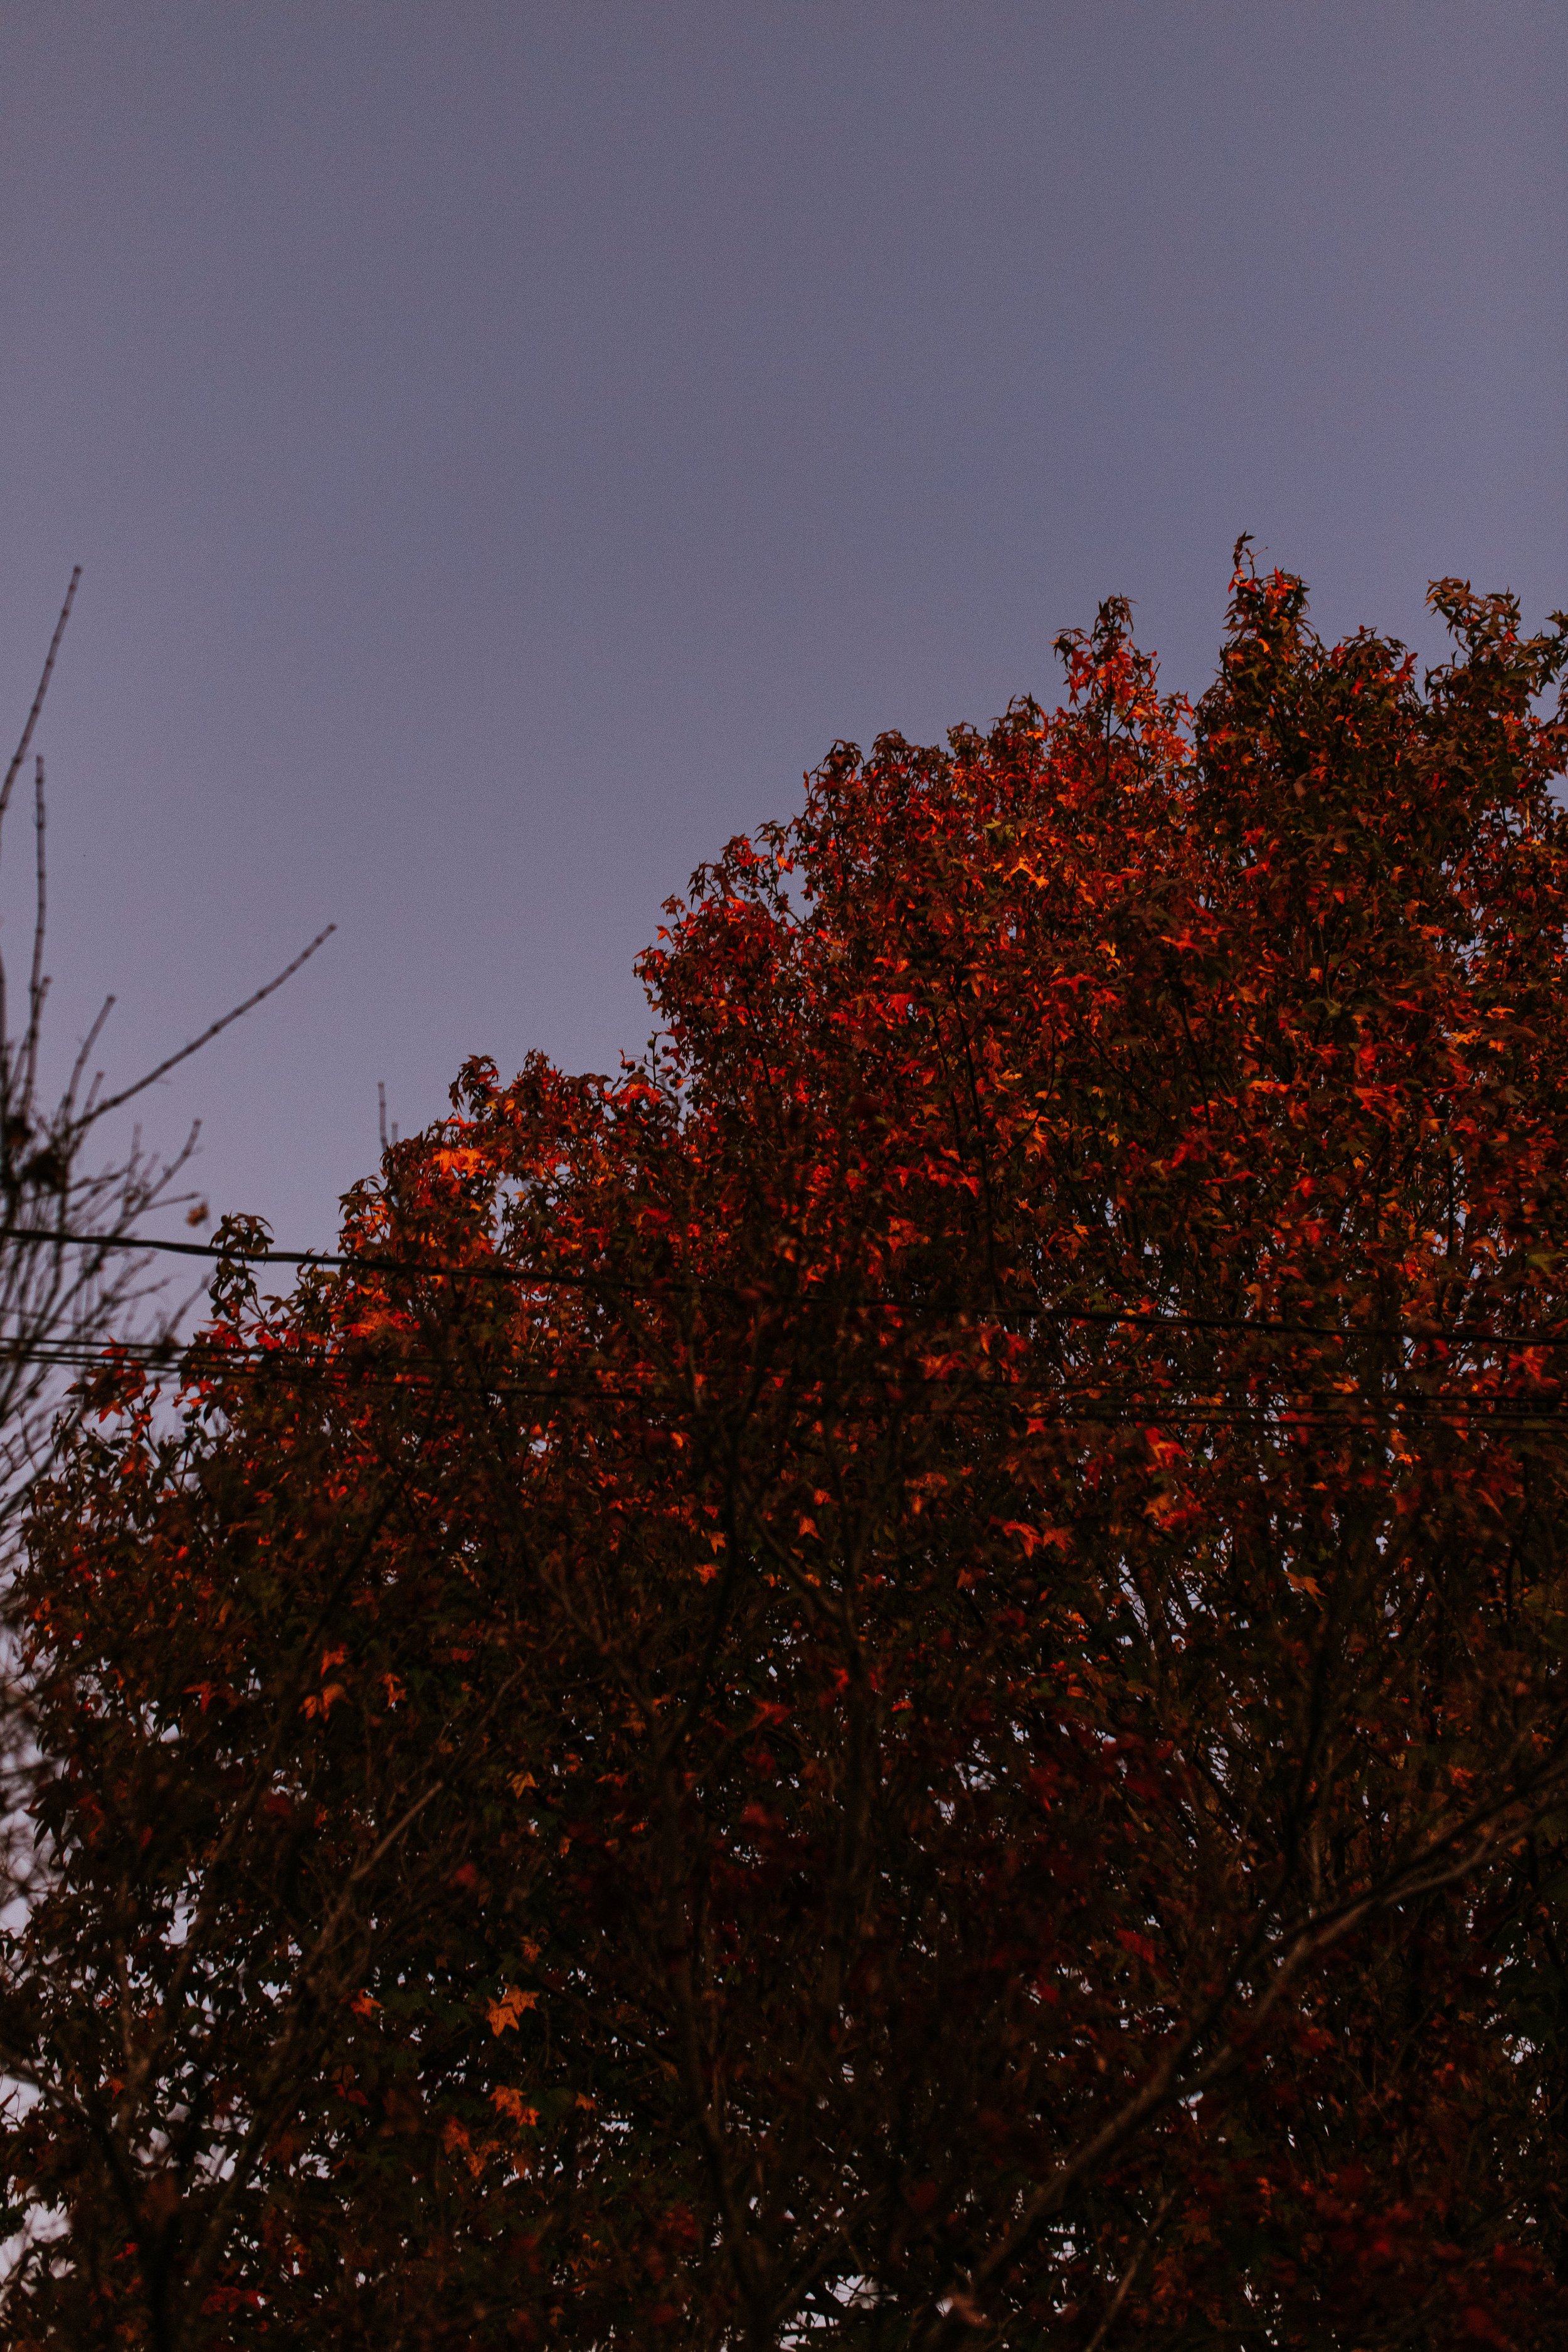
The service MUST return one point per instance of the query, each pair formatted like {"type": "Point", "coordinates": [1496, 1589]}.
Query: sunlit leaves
{"type": "Point", "coordinates": [950, 1698]}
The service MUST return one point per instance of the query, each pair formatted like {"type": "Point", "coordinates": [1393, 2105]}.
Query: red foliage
{"type": "Point", "coordinates": [901, 1675]}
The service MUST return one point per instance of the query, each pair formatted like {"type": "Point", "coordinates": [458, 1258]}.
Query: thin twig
{"type": "Point", "coordinates": [38, 986]}
{"type": "Point", "coordinates": [214, 1029]}
{"type": "Point", "coordinates": [1124, 2284]}
{"type": "Point", "coordinates": [14, 769]}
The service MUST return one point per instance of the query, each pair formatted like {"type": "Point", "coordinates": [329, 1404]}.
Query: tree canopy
{"type": "Point", "coordinates": [897, 1679]}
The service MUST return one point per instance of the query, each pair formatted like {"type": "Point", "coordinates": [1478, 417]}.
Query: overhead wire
{"type": "Point", "coordinates": [1078, 1403]}
{"type": "Point", "coordinates": [1075, 1404]}
{"type": "Point", "coordinates": [609, 1283]}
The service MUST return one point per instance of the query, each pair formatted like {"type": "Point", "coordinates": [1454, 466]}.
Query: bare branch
{"type": "Point", "coordinates": [214, 1028]}
{"type": "Point", "coordinates": [20, 754]}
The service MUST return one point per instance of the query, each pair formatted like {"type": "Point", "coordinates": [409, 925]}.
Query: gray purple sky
{"type": "Point", "coordinates": [507, 444]}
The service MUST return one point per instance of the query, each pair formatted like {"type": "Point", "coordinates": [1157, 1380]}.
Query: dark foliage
{"type": "Point", "coordinates": [899, 1680]}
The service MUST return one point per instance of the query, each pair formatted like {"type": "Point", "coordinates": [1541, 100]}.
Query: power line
{"type": "Point", "coordinates": [1129, 1318]}
{"type": "Point", "coordinates": [1073, 1406]}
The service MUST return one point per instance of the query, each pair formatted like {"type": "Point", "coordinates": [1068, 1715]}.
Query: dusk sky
{"type": "Point", "coordinates": [507, 445]}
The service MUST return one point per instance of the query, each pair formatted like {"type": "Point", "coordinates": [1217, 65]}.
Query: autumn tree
{"type": "Point", "coordinates": [75, 1191]}
{"type": "Point", "coordinates": [898, 1678]}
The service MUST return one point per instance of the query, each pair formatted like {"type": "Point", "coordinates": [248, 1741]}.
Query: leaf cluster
{"type": "Point", "coordinates": [942, 1720]}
